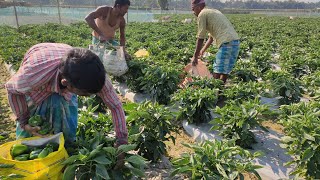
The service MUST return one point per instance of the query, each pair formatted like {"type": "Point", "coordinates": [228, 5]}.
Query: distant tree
{"type": "Point", "coordinates": [78, 2]}
{"type": "Point", "coordinates": [185, 4]}
{"type": "Point", "coordinates": [163, 4]}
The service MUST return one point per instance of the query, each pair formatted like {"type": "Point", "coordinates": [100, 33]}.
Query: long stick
{"type": "Point", "coordinates": [128, 17]}
{"type": "Point", "coordinates": [59, 11]}
{"type": "Point", "coordinates": [15, 13]}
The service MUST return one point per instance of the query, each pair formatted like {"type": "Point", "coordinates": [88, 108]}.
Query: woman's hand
{"type": "Point", "coordinates": [33, 130]}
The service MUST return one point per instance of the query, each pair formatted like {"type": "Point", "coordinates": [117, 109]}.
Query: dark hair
{"type": "Point", "coordinates": [121, 2]}
{"type": "Point", "coordinates": [198, 3]}
{"type": "Point", "coordinates": [83, 70]}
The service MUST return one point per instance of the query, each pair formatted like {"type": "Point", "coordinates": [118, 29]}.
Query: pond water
{"type": "Point", "coordinates": [67, 13]}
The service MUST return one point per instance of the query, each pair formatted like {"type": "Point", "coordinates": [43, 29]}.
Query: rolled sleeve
{"type": "Point", "coordinates": [110, 98]}
{"type": "Point", "coordinates": [19, 108]}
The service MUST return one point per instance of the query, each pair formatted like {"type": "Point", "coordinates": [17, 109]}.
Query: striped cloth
{"type": "Point", "coordinates": [60, 113]}
{"type": "Point", "coordinates": [37, 78]}
{"type": "Point", "coordinates": [226, 57]}
{"type": "Point", "coordinates": [112, 42]}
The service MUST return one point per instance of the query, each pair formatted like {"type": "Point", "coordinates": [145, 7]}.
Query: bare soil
{"type": "Point", "coordinates": [270, 124]}
{"type": "Point", "coordinates": [7, 124]}
{"type": "Point", "coordinates": [175, 150]}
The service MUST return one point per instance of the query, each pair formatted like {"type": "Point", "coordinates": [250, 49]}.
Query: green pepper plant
{"type": "Point", "coordinates": [236, 120]}
{"type": "Point", "coordinates": [154, 125]}
{"type": "Point", "coordinates": [97, 158]}
{"type": "Point", "coordinates": [195, 103]}
{"type": "Point", "coordinates": [216, 160]}
{"type": "Point", "coordinates": [288, 88]}
{"type": "Point", "coordinates": [302, 128]}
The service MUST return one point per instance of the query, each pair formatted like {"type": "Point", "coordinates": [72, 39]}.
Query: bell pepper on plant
{"type": "Point", "coordinates": [18, 149]}
{"type": "Point", "coordinates": [35, 121]}
{"type": "Point", "coordinates": [22, 157]}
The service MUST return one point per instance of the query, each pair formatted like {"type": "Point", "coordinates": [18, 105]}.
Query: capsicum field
{"type": "Point", "coordinates": [279, 59]}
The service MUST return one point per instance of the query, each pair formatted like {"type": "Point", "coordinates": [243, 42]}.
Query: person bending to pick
{"type": "Point", "coordinates": [221, 30]}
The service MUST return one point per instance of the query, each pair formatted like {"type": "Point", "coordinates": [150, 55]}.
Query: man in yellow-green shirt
{"type": "Point", "coordinates": [222, 32]}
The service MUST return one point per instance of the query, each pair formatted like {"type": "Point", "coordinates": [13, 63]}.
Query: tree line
{"type": "Point", "coordinates": [185, 4]}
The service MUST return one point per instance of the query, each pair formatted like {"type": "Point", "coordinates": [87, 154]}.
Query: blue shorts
{"type": "Point", "coordinates": [226, 57]}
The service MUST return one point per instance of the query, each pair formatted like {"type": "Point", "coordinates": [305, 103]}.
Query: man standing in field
{"type": "Point", "coordinates": [106, 20]}
{"type": "Point", "coordinates": [221, 30]}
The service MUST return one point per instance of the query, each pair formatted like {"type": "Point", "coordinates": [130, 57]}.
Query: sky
{"type": "Point", "coordinates": [305, 0]}
{"type": "Point", "coordinates": [313, 1]}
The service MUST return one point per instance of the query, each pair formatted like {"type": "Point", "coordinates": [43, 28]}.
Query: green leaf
{"type": "Point", "coordinates": [130, 106]}
{"type": "Point", "coordinates": [95, 108]}
{"type": "Point", "coordinates": [309, 137]}
{"type": "Point", "coordinates": [102, 160]}
{"type": "Point", "coordinates": [264, 128]}
{"type": "Point", "coordinates": [307, 154]}
{"type": "Point", "coordinates": [82, 157]}
{"type": "Point", "coordinates": [69, 172]}
{"type": "Point", "coordinates": [256, 166]}
{"type": "Point", "coordinates": [296, 172]}
{"type": "Point", "coordinates": [204, 159]}
{"type": "Point", "coordinates": [241, 177]}
{"type": "Point", "coordinates": [192, 161]}
{"type": "Point", "coordinates": [96, 178]}
{"type": "Point", "coordinates": [110, 150]}
{"type": "Point", "coordinates": [258, 154]}
{"type": "Point", "coordinates": [173, 173]}
{"type": "Point", "coordinates": [289, 163]}
{"type": "Point", "coordinates": [94, 143]}
{"type": "Point", "coordinates": [284, 146]}
{"type": "Point", "coordinates": [287, 139]}
{"type": "Point", "coordinates": [173, 139]}
{"type": "Point", "coordinates": [205, 175]}
{"type": "Point", "coordinates": [187, 145]}
{"type": "Point", "coordinates": [102, 171]}
{"type": "Point", "coordinates": [137, 172]}
{"type": "Point", "coordinates": [125, 148]}
{"type": "Point", "coordinates": [95, 152]}
{"type": "Point", "coordinates": [233, 175]}
{"type": "Point", "coordinates": [181, 161]}
{"type": "Point", "coordinates": [138, 160]}
{"type": "Point", "coordinates": [221, 153]}
{"type": "Point", "coordinates": [184, 169]}
{"type": "Point", "coordinates": [70, 160]}
{"type": "Point", "coordinates": [221, 171]}
{"type": "Point", "coordinates": [214, 128]}
{"type": "Point", "coordinates": [257, 174]}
